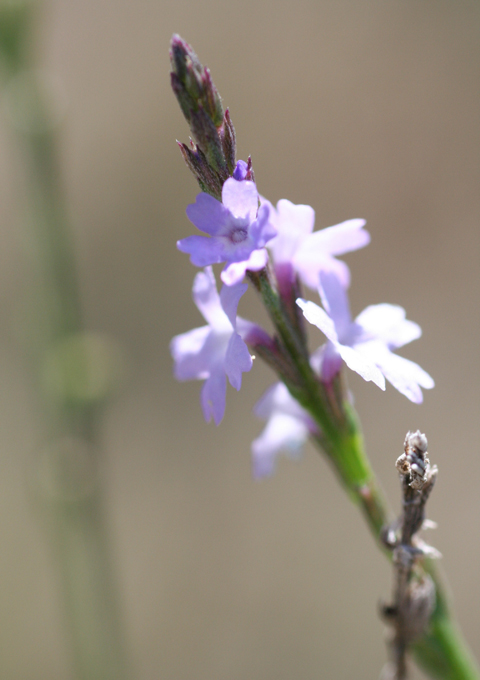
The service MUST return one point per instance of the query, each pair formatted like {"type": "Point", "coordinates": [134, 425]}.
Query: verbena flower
{"type": "Point", "coordinates": [366, 343]}
{"type": "Point", "coordinates": [214, 352]}
{"type": "Point", "coordinates": [288, 427]}
{"type": "Point", "coordinates": [297, 249]}
{"type": "Point", "coordinates": [237, 227]}
{"type": "Point", "coordinates": [235, 272]}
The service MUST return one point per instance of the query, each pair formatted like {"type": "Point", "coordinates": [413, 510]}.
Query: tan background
{"type": "Point", "coordinates": [361, 109]}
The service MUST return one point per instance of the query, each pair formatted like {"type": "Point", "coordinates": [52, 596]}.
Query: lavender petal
{"type": "Point", "coordinates": [202, 250]}
{"type": "Point", "coordinates": [213, 396]}
{"type": "Point", "coordinates": [208, 214]}
{"type": "Point", "coordinates": [319, 318]}
{"type": "Point", "coordinates": [241, 198]}
{"type": "Point", "coordinates": [237, 360]}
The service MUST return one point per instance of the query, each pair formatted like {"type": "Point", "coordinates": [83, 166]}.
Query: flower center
{"type": "Point", "coordinates": [238, 234]}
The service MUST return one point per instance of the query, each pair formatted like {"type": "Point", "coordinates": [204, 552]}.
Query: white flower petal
{"type": "Point", "coordinates": [319, 318]}
{"type": "Point", "coordinates": [241, 198]}
{"type": "Point", "coordinates": [340, 239]}
{"type": "Point", "coordinates": [277, 399]}
{"type": "Point", "coordinates": [207, 299]}
{"type": "Point", "coordinates": [335, 300]}
{"type": "Point", "coordinates": [361, 365]}
{"type": "Point", "coordinates": [282, 433]}
{"type": "Point", "coordinates": [405, 375]}
{"type": "Point", "coordinates": [186, 350]}
{"type": "Point", "coordinates": [388, 323]}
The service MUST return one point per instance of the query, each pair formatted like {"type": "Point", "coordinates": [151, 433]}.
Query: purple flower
{"type": "Point", "coordinates": [215, 352]}
{"type": "Point", "coordinates": [241, 170]}
{"type": "Point", "coordinates": [288, 427]}
{"type": "Point", "coordinates": [236, 226]}
{"type": "Point", "coordinates": [365, 344]}
{"type": "Point", "coordinates": [298, 250]}
{"type": "Point", "coordinates": [235, 272]}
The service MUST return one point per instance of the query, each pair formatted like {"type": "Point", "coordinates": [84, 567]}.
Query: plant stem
{"type": "Point", "coordinates": [80, 540]}
{"type": "Point", "coordinates": [441, 651]}
{"type": "Point", "coordinates": [68, 483]}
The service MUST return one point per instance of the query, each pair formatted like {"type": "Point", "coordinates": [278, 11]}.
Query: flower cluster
{"type": "Point", "coordinates": [248, 234]}
{"type": "Point", "coordinates": [216, 351]}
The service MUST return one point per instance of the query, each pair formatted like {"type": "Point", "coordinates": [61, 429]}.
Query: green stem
{"type": "Point", "coordinates": [74, 512]}
{"type": "Point", "coordinates": [441, 651]}
{"type": "Point", "coordinates": [77, 527]}
{"type": "Point", "coordinates": [306, 388]}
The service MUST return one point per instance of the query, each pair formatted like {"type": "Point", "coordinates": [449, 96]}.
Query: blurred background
{"type": "Point", "coordinates": [360, 109]}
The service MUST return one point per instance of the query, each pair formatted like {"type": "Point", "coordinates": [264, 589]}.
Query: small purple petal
{"type": "Point", "coordinates": [229, 299]}
{"type": "Point", "coordinates": [206, 298]}
{"type": "Point", "coordinates": [287, 429]}
{"type": "Point", "coordinates": [235, 272]}
{"type": "Point", "coordinates": [295, 218]}
{"type": "Point", "coordinates": [213, 396]}
{"type": "Point", "coordinates": [335, 301]}
{"type": "Point", "coordinates": [208, 214]}
{"type": "Point", "coordinates": [237, 252]}
{"type": "Point", "coordinates": [262, 231]}
{"type": "Point", "coordinates": [339, 239]}
{"type": "Point", "coordinates": [213, 352]}
{"type": "Point", "coordinates": [253, 334]}
{"type": "Point", "coordinates": [202, 250]}
{"type": "Point", "coordinates": [186, 350]}
{"type": "Point", "coordinates": [315, 252]}
{"type": "Point", "coordinates": [240, 171]}
{"type": "Point", "coordinates": [237, 360]}
{"type": "Point", "coordinates": [309, 264]}
{"type": "Point", "coordinates": [267, 403]}
{"type": "Point", "coordinates": [293, 223]}
{"type": "Point", "coordinates": [241, 198]}
{"type": "Point", "coordinates": [277, 398]}
{"type": "Point", "coordinates": [282, 433]}
{"type": "Point", "coordinates": [328, 362]}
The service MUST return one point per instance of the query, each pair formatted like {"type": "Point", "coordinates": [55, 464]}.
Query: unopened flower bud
{"type": "Point", "coordinates": [201, 105]}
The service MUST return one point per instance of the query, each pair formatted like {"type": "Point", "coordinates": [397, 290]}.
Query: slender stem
{"type": "Point", "coordinates": [441, 651]}
{"type": "Point", "coordinates": [80, 540]}
{"type": "Point", "coordinates": [74, 511]}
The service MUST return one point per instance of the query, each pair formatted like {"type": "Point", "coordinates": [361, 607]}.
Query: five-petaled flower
{"type": "Point", "coordinates": [288, 427]}
{"type": "Point", "coordinates": [237, 228]}
{"type": "Point", "coordinates": [365, 344]}
{"type": "Point", "coordinates": [297, 249]}
{"type": "Point", "coordinates": [215, 352]}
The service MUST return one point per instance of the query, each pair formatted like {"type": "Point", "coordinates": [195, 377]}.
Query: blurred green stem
{"type": "Point", "coordinates": [72, 504]}
{"type": "Point", "coordinates": [78, 528]}
{"type": "Point", "coordinates": [81, 545]}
